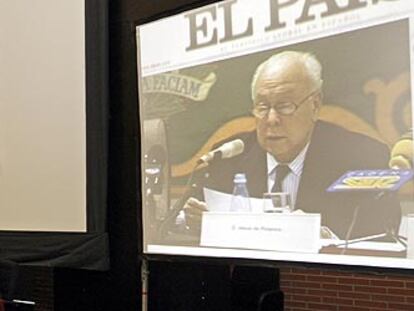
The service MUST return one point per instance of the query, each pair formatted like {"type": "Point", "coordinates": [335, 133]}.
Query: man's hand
{"type": "Point", "coordinates": [193, 210]}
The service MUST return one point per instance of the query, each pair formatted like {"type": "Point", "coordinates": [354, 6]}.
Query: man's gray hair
{"type": "Point", "coordinates": [308, 60]}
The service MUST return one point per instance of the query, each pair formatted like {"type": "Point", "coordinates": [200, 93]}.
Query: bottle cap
{"type": "Point", "coordinates": [240, 178]}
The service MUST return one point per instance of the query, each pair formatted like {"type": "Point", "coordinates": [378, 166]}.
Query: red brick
{"type": "Point", "coordinates": [290, 277]}
{"type": "Point", "coordinates": [306, 298]}
{"type": "Point", "coordinates": [387, 283]}
{"type": "Point", "coordinates": [400, 306]}
{"type": "Point", "coordinates": [371, 276]}
{"type": "Point", "coordinates": [298, 270]}
{"type": "Point", "coordinates": [409, 284]}
{"type": "Point", "coordinates": [373, 304]}
{"type": "Point", "coordinates": [409, 300]}
{"type": "Point", "coordinates": [355, 281]}
{"type": "Point", "coordinates": [319, 306]}
{"type": "Point", "coordinates": [296, 304]}
{"type": "Point", "coordinates": [306, 284]}
{"type": "Point", "coordinates": [401, 291]}
{"type": "Point", "coordinates": [337, 273]}
{"type": "Point", "coordinates": [322, 279]}
{"type": "Point", "coordinates": [400, 277]}
{"type": "Point", "coordinates": [354, 295]}
{"type": "Point", "coordinates": [338, 301]}
{"type": "Point", "coordinates": [388, 298]}
{"type": "Point", "coordinates": [306, 271]}
{"type": "Point", "coordinates": [351, 308]}
{"type": "Point", "coordinates": [319, 292]}
{"type": "Point", "coordinates": [369, 289]}
{"type": "Point", "coordinates": [337, 287]}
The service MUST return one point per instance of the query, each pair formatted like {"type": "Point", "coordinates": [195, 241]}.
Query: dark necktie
{"type": "Point", "coordinates": [282, 170]}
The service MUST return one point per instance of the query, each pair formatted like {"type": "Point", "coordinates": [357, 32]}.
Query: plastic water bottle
{"type": "Point", "coordinates": [240, 201]}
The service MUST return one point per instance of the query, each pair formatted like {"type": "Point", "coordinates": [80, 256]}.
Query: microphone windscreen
{"type": "Point", "coordinates": [399, 162]}
{"type": "Point", "coordinates": [232, 148]}
{"type": "Point", "coordinates": [402, 154]}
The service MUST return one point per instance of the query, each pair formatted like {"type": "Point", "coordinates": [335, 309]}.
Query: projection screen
{"type": "Point", "coordinates": [320, 88]}
{"type": "Point", "coordinates": [43, 116]}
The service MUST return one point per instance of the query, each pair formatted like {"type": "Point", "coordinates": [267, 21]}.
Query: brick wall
{"type": "Point", "coordinates": [315, 289]}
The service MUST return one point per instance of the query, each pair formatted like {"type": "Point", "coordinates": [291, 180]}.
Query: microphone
{"type": "Point", "coordinates": [402, 153]}
{"type": "Point", "coordinates": [154, 164]}
{"type": "Point", "coordinates": [225, 151]}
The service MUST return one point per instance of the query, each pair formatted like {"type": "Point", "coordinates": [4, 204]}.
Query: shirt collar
{"type": "Point", "coordinates": [296, 166]}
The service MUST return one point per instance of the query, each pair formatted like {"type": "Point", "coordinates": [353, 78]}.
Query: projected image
{"type": "Point", "coordinates": [302, 148]}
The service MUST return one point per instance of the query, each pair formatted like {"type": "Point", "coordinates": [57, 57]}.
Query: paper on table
{"type": "Point", "coordinates": [220, 202]}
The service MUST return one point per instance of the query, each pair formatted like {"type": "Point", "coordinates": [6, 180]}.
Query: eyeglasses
{"type": "Point", "coordinates": [261, 110]}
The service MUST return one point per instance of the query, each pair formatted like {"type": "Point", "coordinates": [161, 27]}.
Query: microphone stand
{"type": "Point", "coordinates": [150, 189]}
{"type": "Point", "coordinates": [389, 232]}
{"type": "Point", "coordinates": [151, 207]}
{"type": "Point", "coordinates": [190, 189]}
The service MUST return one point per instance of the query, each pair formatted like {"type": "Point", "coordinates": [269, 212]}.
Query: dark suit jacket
{"type": "Point", "coordinates": [332, 152]}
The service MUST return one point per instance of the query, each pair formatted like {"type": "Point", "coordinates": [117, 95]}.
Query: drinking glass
{"type": "Point", "coordinates": [277, 202]}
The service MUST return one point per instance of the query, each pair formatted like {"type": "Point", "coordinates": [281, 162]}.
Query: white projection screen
{"type": "Point", "coordinates": [320, 87]}
{"type": "Point", "coordinates": [43, 116]}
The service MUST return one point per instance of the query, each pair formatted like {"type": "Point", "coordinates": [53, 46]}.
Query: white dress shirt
{"type": "Point", "coordinates": [291, 182]}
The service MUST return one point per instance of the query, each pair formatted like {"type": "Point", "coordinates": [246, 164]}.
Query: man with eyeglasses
{"type": "Point", "coordinates": [292, 151]}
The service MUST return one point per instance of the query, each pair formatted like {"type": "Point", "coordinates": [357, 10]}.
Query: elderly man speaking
{"type": "Point", "coordinates": [292, 151]}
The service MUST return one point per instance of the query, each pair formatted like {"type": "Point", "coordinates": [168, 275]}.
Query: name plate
{"type": "Point", "coordinates": [262, 231]}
